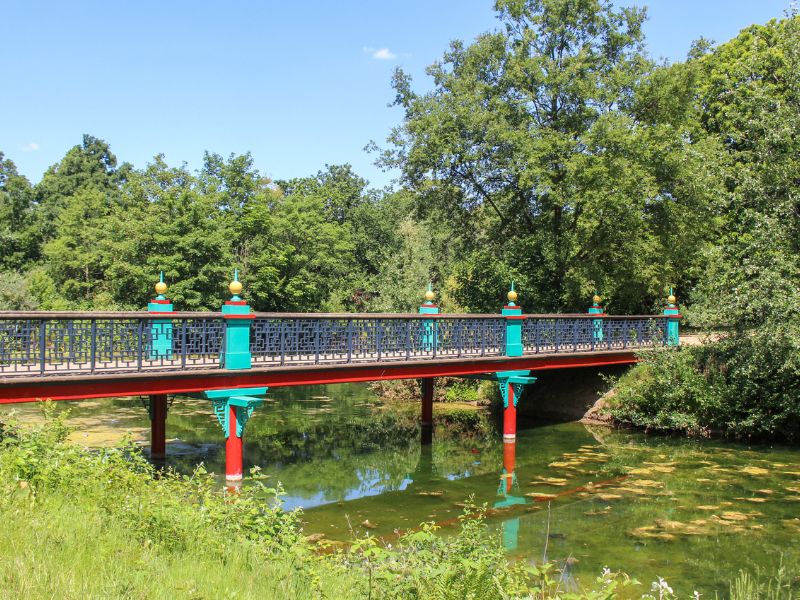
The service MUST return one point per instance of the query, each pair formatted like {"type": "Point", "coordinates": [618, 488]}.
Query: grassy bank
{"type": "Point", "coordinates": [104, 523]}
{"type": "Point", "coordinates": [81, 523]}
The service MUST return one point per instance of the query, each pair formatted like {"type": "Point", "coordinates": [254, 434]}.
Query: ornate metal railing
{"type": "Point", "coordinates": [55, 343]}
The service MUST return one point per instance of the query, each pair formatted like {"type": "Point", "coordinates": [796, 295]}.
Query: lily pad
{"type": "Point", "coordinates": [541, 496]}
{"type": "Point", "coordinates": [731, 515]}
{"type": "Point", "coordinates": [607, 497]}
{"type": "Point", "coordinates": [755, 471]}
{"type": "Point", "coordinates": [646, 483]}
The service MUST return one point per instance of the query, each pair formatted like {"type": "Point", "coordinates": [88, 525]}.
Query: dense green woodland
{"type": "Point", "coordinates": [552, 151]}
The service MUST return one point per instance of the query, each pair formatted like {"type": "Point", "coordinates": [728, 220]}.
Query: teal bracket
{"type": "Point", "coordinates": [244, 401]}
{"type": "Point", "coordinates": [517, 379]}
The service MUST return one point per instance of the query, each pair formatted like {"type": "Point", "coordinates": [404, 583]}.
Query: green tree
{"type": "Point", "coordinates": [18, 239]}
{"type": "Point", "coordinates": [530, 136]}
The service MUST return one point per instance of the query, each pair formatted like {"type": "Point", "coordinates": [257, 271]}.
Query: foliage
{"type": "Point", "coordinates": [532, 137]}
{"type": "Point", "coordinates": [745, 381]}
{"type": "Point", "coordinates": [742, 387]}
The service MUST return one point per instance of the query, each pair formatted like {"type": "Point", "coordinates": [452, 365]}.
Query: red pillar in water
{"type": "Point", "coordinates": [158, 426]}
{"type": "Point", "coordinates": [426, 418]}
{"type": "Point", "coordinates": [233, 449]}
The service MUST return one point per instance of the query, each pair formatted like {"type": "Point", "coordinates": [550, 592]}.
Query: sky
{"type": "Point", "coordinates": [298, 84]}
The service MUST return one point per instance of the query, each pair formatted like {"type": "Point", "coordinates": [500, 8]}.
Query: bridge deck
{"type": "Point", "coordinates": [86, 385]}
{"type": "Point", "coordinates": [67, 356]}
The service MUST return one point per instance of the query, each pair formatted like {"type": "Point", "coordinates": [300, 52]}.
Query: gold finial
{"type": "Point", "coordinates": [512, 295]}
{"type": "Point", "coordinates": [235, 286]}
{"type": "Point", "coordinates": [596, 299]}
{"type": "Point", "coordinates": [671, 298]}
{"type": "Point", "coordinates": [161, 287]}
{"type": "Point", "coordinates": [430, 295]}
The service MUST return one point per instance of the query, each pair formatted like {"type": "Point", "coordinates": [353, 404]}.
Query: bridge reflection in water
{"type": "Point", "coordinates": [233, 357]}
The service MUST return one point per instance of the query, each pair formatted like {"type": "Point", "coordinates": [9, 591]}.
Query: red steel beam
{"type": "Point", "coordinates": [81, 387]}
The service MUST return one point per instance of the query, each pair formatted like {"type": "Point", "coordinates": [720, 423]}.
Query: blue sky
{"type": "Point", "coordinates": [298, 84]}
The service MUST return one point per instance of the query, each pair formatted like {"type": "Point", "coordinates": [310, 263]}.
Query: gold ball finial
{"type": "Point", "coordinates": [430, 295]}
{"type": "Point", "coordinates": [235, 287]}
{"type": "Point", "coordinates": [161, 288]}
{"type": "Point", "coordinates": [512, 296]}
{"type": "Point", "coordinates": [596, 299]}
{"type": "Point", "coordinates": [671, 299]}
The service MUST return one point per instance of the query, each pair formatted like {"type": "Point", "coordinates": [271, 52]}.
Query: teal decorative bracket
{"type": "Point", "coordinates": [518, 380]}
{"type": "Point", "coordinates": [244, 401]}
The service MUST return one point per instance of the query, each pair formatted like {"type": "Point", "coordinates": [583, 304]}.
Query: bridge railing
{"type": "Point", "coordinates": [285, 339]}
{"type": "Point", "coordinates": [60, 343]}
{"type": "Point", "coordinates": [586, 333]}
{"type": "Point", "coordinates": [56, 343]}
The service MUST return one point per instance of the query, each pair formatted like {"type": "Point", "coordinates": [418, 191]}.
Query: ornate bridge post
{"type": "Point", "coordinates": [673, 317]}
{"type": "Point", "coordinates": [512, 382]}
{"type": "Point", "coordinates": [428, 342]}
{"type": "Point", "coordinates": [429, 336]}
{"type": "Point", "coordinates": [597, 324]}
{"type": "Point", "coordinates": [160, 348]}
{"type": "Point", "coordinates": [234, 407]}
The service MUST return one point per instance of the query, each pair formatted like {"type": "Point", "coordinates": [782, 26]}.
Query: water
{"type": "Point", "coordinates": [693, 512]}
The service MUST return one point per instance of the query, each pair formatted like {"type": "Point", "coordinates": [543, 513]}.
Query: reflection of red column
{"type": "Point", "coordinates": [426, 418]}
{"type": "Point", "coordinates": [158, 426]}
{"type": "Point", "coordinates": [510, 417]}
{"type": "Point", "coordinates": [233, 449]}
{"type": "Point", "coordinates": [509, 457]}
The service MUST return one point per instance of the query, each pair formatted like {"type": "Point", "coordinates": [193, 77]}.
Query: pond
{"type": "Point", "coordinates": [693, 512]}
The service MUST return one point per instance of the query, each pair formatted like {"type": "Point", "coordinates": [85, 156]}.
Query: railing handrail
{"type": "Point", "coordinates": [59, 315]}
{"type": "Point", "coordinates": [107, 314]}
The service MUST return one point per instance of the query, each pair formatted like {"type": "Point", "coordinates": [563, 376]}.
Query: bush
{"type": "Point", "coordinates": [742, 385]}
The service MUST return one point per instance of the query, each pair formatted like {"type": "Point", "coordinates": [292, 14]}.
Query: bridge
{"type": "Point", "coordinates": [232, 357]}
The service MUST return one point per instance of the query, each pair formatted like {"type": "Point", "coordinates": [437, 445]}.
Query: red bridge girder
{"type": "Point", "coordinates": [79, 387]}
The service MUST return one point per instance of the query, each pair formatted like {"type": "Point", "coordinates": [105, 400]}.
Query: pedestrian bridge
{"type": "Point", "coordinates": [234, 356]}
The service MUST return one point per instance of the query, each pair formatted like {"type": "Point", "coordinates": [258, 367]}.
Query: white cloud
{"type": "Point", "coordinates": [384, 54]}
{"type": "Point", "coordinates": [380, 53]}
{"type": "Point", "coordinates": [32, 147]}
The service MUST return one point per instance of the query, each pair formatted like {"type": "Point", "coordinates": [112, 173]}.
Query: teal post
{"type": "Point", "coordinates": [234, 407]}
{"type": "Point", "coordinates": [674, 315]}
{"type": "Point", "coordinates": [238, 320]}
{"type": "Point", "coordinates": [597, 324]}
{"type": "Point", "coordinates": [512, 382]}
{"type": "Point", "coordinates": [428, 307]}
{"type": "Point", "coordinates": [160, 342]}
{"type": "Point", "coordinates": [514, 318]}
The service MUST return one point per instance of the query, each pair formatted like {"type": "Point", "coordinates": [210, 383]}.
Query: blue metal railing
{"type": "Point", "coordinates": [59, 343]}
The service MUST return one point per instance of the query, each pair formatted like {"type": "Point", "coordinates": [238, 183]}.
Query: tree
{"type": "Point", "coordinates": [88, 166]}
{"type": "Point", "coordinates": [18, 240]}
{"type": "Point", "coordinates": [530, 134]}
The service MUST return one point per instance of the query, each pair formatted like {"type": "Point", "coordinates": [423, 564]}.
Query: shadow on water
{"type": "Point", "coordinates": [693, 512]}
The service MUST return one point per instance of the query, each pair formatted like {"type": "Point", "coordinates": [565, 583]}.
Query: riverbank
{"type": "Point", "coordinates": [739, 386]}
{"type": "Point", "coordinates": [86, 524]}
{"type": "Point", "coordinates": [618, 499]}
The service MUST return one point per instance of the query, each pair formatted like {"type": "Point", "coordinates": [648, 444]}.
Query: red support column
{"type": "Point", "coordinates": [233, 449]}
{"type": "Point", "coordinates": [158, 426]}
{"type": "Point", "coordinates": [510, 417]}
{"type": "Point", "coordinates": [426, 418]}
